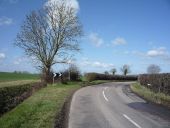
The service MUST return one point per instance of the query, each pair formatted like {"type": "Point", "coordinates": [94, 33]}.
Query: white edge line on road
{"type": "Point", "coordinates": [133, 122]}
{"type": "Point", "coordinates": [105, 96]}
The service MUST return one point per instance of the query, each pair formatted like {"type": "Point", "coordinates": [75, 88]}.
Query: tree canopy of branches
{"type": "Point", "coordinates": [125, 69]}
{"type": "Point", "coordinates": [50, 35]}
{"type": "Point", "coordinates": [153, 69]}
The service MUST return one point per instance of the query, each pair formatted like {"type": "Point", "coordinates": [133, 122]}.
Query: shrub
{"type": "Point", "coordinates": [97, 76]}
{"type": "Point", "coordinates": [91, 76]}
{"type": "Point", "coordinates": [156, 82]}
{"type": "Point", "coordinates": [12, 96]}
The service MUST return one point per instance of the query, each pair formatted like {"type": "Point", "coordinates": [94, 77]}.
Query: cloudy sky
{"type": "Point", "coordinates": [116, 32]}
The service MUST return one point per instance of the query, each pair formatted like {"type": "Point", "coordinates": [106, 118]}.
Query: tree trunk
{"type": "Point", "coordinates": [47, 77]}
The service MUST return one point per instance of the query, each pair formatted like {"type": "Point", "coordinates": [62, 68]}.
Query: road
{"type": "Point", "coordinates": [113, 105]}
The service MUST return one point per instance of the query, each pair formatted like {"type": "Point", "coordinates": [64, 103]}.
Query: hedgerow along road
{"type": "Point", "coordinates": [113, 105]}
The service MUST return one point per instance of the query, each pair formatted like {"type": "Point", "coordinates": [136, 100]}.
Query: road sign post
{"type": "Point", "coordinates": [54, 75]}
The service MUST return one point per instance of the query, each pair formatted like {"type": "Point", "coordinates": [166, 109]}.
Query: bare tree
{"type": "Point", "coordinates": [113, 71]}
{"type": "Point", "coordinates": [153, 69]}
{"type": "Point", "coordinates": [50, 35]}
{"type": "Point", "coordinates": [125, 69]}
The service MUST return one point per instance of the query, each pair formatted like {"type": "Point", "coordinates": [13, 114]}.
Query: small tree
{"type": "Point", "coordinates": [125, 69]}
{"type": "Point", "coordinates": [113, 71]}
{"type": "Point", "coordinates": [50, 35]}
{"type": "Point", "coordinates": [153, 69]}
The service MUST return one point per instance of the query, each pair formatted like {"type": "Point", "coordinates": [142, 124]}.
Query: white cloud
{"type": "Point", "coordinates": [71, 3]}
{"type": "Point", "coordinates": [95, 39]}
{"type": "Point", "coordinates": [119, 41]}
{"type": "Point", "coordinates": [5, 21]}
{"type": "Point", "coordinates": [2, 56]}
{"type": "Point", "coordinates": [96, 64]}
{"type": "Point", "coordinates": [159, 52]}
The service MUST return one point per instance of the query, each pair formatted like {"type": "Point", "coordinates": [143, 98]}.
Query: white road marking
{"type": "Point", "coordinates": [105, 96]}
{"type": "Point", "coordinates": [133, 122]}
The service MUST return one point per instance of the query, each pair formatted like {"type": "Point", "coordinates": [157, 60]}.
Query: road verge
{"type": "Point", "coordinates": [147, 94]}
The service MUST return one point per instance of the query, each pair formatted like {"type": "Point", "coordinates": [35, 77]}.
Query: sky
{"type": "Point", "coordinates": [116, 32]}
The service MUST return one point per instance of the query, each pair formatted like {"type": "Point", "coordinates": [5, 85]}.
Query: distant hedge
{"type": "Point", "coordinates": [156, 82]}
{"type": "Point", "coordinates": [12, 96]}
{"type": "Point", "coordinates": [97, 76]}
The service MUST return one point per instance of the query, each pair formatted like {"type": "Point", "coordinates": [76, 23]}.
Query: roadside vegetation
{"type": "Point", "coordinates": [146, 93]}
{"type": "Point", "coordinates": [39, 110]}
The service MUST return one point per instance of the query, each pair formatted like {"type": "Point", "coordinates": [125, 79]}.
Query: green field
{"type": "Point", "coordinates": [7, 76]}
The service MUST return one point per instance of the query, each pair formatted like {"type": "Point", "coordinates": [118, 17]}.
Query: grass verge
{"type": "Point", "coordinates": [158, 98]}
{"type": "Point", "coordinates": [39, 110]}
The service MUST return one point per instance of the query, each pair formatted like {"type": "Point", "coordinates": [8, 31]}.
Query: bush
{"type": "Point", "coordinates": [72, 74]}
{"type": "Point", "coordinates": [12, 96]}
{"type": "Point", "coordinates": [156, 82]}
{"type": "Point", "coordinates": [97, 76]}
{"type": "Point", "coordinates": [91, 76]}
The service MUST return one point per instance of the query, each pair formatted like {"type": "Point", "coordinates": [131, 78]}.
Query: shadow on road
{"type": "Point", "coordinates": [152, 109]}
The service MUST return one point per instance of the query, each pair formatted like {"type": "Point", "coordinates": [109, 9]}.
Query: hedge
{"type": "Point", "coordinates": [12, 96]}
{"type": "Point", "coordinates": [97, 76]}
{"type": "Point", "coordinates": [156, 82]}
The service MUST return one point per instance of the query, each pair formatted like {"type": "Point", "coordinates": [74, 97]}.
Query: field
{"type": "Point", "coordinates": [7, 76]}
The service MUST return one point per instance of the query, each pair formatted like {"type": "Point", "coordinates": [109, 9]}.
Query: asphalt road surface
{"type": "Point", "coordinates": [113, 105]}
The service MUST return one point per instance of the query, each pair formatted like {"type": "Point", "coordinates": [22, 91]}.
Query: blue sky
{"type": "Point", "coordinates": [116, 32]}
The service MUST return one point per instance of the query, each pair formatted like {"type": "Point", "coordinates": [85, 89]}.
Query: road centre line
{"type": "Point", "coordinates": [133, 122]}
{"type": "Point", "coordinates": [105, 96]}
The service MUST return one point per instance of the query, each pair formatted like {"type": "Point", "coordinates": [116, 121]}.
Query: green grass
{"type": "Point", "coordinates": [159, 98]}
{"type": "Point", "coordinates": [7, 76]}
{"type": "Point", "coordinates": [40, 109]}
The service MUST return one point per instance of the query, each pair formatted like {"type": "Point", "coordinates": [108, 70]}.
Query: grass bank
{"type": "Point", "coordinates": [158, 98]}
{"type": "Point", "coordinates": [39, 110]}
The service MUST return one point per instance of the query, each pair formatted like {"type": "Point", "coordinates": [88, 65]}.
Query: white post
{"type": "Point", "coordinates": [54, 75]}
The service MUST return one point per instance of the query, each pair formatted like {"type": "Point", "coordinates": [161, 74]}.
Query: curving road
{"type": "Point", "coordinates": [113, 105]}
